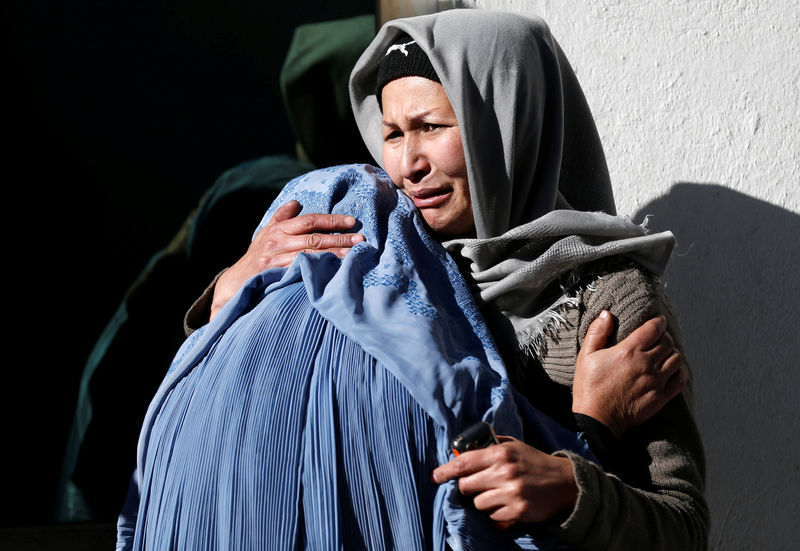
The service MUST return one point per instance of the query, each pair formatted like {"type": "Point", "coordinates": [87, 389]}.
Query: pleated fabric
{"type": "Point", "coordinates": [225, 471]}
{"type": "Point", "coordinates": [311, 412]}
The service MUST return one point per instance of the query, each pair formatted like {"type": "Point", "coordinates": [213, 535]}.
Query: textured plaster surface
{"type": "Point", "coordinates": [697, 104]}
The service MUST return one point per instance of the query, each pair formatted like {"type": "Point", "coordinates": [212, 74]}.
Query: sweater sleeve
{"type": "Point", "coordinates": [656, 502]}
{"type": "Point", "coordinates": [200, 310]}
{"type": "Point", "coordinates": [605, 446]}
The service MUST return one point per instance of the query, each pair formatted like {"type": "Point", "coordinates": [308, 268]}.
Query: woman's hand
{"type": "Point", "coordinates": [513, 482]}
{"type": "Point", "coordinates": [626, 384]}
{"type": "Point", "coordinates": [278, 243]}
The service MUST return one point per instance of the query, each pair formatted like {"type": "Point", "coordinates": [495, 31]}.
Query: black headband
{"type": "Point", "coordinates": [403, 58]}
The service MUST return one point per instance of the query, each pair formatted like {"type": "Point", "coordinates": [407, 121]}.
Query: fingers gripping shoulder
{"type": "Point", "coordinates": [633, 295]}
{"type": "Point", "coordinates": [630, 293]}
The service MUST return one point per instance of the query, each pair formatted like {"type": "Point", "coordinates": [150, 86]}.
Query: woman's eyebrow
{"type": "Point", "coordinates": [413, 117]}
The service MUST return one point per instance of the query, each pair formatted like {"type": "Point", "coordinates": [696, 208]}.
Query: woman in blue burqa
{"type": "Point", "coordinates": [458, 283]}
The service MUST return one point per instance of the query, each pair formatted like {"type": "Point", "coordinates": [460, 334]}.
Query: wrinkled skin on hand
{"type": "Point", "coordinates": [621, 386]}
{"type": "Point", "coordinates": [513, 482]}
{"type": "Point", "coordinates": [626, 384]}
{"type": "Point", "coordinates": [278, 243]}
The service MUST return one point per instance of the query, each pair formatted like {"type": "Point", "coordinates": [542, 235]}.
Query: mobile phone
{"type": "Point", "coordinates": [480, 435]}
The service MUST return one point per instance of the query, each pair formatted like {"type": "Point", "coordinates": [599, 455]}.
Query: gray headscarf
{"type": "Point", "coordinates": [531, 147]}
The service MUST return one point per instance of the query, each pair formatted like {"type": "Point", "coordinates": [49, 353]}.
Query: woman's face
{"type": "Point", "coordinates": [423, 155]}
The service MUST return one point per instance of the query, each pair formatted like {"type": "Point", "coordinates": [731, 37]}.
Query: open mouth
{"type": "Point", "coordinates": [430, 198]}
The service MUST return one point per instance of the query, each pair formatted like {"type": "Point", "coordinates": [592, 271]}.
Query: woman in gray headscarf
{"type": "Point", "coordinates": [478, 117]}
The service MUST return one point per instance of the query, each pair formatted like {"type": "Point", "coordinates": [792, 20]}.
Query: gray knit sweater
{"type": "Point", "coordinates": [658, 502]}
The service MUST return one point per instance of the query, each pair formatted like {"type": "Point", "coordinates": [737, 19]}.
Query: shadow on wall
{"type": "Point", "coordinates": [733, 281]}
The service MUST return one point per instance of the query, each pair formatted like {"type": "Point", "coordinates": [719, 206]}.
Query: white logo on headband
{"type": "Point", "coordinates": [401, 47]}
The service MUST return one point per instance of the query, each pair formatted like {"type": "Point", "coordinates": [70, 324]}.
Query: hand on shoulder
{"type": "Point", "coordinates": [277, 244]}
{"type": "Point", "coordinates": [626, 384]}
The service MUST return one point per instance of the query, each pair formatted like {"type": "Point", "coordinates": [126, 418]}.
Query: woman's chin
{"type": "Point", "coordinates": [444, 229]}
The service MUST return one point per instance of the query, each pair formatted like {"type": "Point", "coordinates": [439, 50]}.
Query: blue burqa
{"type": "Point", "coordinates": [310, 413]}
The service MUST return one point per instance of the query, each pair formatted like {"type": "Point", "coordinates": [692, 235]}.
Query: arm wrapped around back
{"type": "Point", "coordinates": [655, 500]}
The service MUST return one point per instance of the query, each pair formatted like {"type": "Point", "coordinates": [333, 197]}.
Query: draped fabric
{"type": "Point", "coordinates": [530, 272]}
{"type": "Point", "coordinates": [534, 162]}
{"type": "Point", "coordinates": [226, 461]}
{"type": "Point", "coordinates": [311, 411]}
{"type": "Point", "coordinates": [530, 142]}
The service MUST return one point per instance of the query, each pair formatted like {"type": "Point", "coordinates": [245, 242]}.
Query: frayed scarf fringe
{"type": "Point", "coordinates": [533, 337]}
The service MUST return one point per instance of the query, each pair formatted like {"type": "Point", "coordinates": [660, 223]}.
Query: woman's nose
{"type": "Point", "coordinates": [415, 163]}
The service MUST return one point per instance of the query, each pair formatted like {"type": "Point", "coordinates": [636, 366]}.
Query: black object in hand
{"type": "Point", "coordinates": [480, 435]}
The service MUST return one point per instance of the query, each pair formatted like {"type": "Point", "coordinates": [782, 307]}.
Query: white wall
{"type": "Point", "coordinates": [697, 105]}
